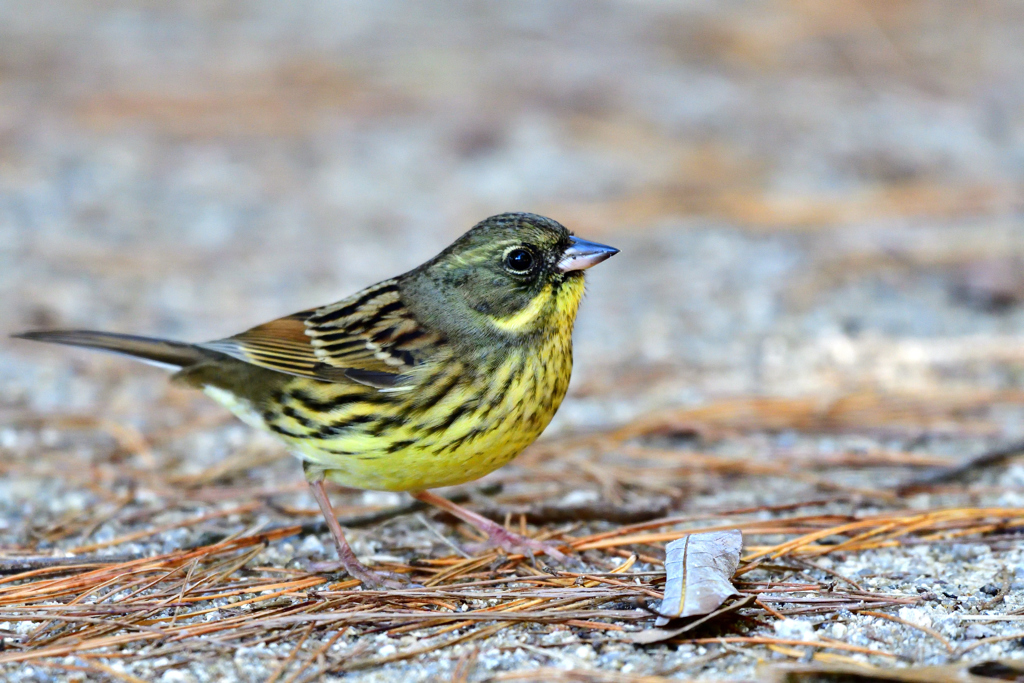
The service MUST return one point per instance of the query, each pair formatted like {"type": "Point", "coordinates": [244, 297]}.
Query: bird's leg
{"type": "Point", "coordinates": [346, 557]}
{"type": "Point", "coordinates": [497, 535]}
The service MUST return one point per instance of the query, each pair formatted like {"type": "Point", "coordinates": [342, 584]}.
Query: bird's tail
{"type": "Point", "coordinates": [161, 352]}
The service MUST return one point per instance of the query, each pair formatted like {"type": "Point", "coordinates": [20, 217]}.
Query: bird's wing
{"type": "Point", "coordinates": [372, 330]}
{"type": "Point", "coordinates": [369, 338]}
{"type": "Point", "coordinates": [280, 345]}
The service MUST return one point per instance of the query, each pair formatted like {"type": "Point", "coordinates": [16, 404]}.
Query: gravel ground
{"type": "Point", "coordinates": [813, 200]}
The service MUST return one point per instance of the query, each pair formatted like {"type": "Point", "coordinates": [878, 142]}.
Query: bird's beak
{"type": "Point", "coordinates": [582, 254]}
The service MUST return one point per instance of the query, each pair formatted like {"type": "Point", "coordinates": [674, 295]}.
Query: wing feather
{"type": "Point", "coordinates": [370, 338]}
{"type": "Point", "coordinates": [280, 345]}
{"type": "Point", "coordinates": [372, 330]}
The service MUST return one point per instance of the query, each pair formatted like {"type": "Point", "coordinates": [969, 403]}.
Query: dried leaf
{"type": "Point", "coordinates": [699, 570]}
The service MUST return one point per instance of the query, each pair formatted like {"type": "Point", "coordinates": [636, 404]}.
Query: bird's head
{"type": "Point", "coordinates": [515, 274]}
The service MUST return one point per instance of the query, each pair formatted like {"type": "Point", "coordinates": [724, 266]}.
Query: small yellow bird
{"type": "Point", "coordinates": [432, 378]}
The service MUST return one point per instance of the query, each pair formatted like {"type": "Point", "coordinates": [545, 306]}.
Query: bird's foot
{"type": "Point", "coordinates": [357, 570]}
{"type": "Point", "coordinates": [497, 535]}
{"type": "Point", "coordinates": [516, 544]}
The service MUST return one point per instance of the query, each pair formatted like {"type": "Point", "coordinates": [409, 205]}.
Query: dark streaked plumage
{"type": "Point", "coordinates": [432, 378]}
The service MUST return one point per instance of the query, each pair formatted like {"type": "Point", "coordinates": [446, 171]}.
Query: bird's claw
{"type": "Point", "coordinates": [369, 578]}
{"type": "Point", "coordinates": [515, 544]}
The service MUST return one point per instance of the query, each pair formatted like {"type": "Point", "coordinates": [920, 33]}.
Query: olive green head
{"type": "Point", "coordinates": [511, 270]}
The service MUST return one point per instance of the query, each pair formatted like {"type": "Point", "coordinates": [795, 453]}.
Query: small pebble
{"type": "Point", "coordinates": [978, 631]}
{"type": "Point", "coordinates": [795, 629]}
{"type": "Point", "coordinates": [916, 615]}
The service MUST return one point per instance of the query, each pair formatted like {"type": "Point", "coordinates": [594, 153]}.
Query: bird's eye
{"type": "Point", "coordinates": [519, 260]}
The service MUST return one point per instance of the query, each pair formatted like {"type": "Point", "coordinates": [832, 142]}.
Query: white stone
{"type": "Point", "coordinates": [311, 546]}
{"type": "Point", "coordinates": [8, 438]}
{"type": "Point", "coordinates": [585, 652]}
{"type": "Point", "coordinates": [580, 497]}
{"type": "Point", "coordinates": [381, 498]}
{"type": "Point", "coordinates": [978, 631]}
{"type": "Point", "coordinates": [915, 615]}
{"type": "Point", "coordinates": [795, 629]}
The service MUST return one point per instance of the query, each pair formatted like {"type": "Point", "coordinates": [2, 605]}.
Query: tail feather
{"type": "Point", "coordinates": [160, 352]}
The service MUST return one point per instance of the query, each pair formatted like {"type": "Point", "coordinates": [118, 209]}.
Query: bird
{"type": "Point", "coordinates": [432, 378]}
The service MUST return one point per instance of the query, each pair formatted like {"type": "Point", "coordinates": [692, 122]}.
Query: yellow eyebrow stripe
{"type": "Point", "coordinates": [519, 321]}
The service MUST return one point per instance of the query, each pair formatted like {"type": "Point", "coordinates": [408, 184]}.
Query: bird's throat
{"type": "Point", "coordinates": [553, 308]}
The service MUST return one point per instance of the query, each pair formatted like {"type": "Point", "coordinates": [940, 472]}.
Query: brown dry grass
{"type": "Point", "coordinates": [104, 608]}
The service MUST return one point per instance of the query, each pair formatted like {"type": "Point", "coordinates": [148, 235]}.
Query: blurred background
{"type": "Point", "coordinates": [819, 206]}
{"type": "Point", "coordinates": [811, 197]}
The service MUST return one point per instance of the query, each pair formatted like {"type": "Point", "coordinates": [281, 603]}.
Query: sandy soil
{"type": "Point", "coordinates": [814, 201]}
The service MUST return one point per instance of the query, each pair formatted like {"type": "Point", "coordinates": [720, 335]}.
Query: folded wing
{"type": "Point", "coordinates": [370, 338]}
